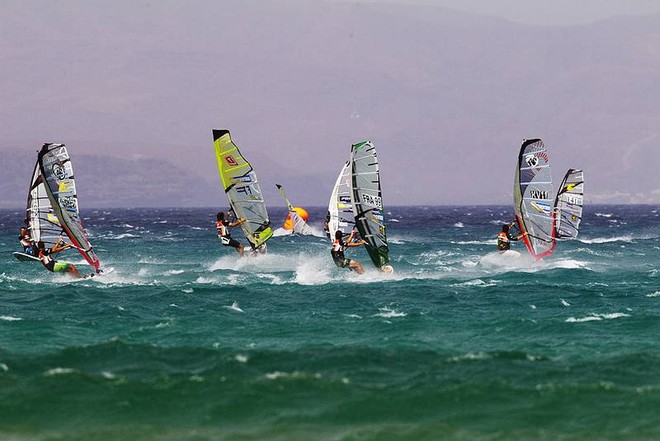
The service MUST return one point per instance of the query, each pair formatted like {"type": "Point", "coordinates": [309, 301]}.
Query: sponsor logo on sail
{"type": "Point", "coordinates": [231, 161]}
{"type": "Point", "coordinates": [59, 172]}
{"type": "Point", "coordinates": [68, 202]}
{"type": "Point", "coordinates": [243, 179]}
{"type": "Point", "coordinates": [541, 207]}
{"type": "Point", "coordinates": [531, 160]}
{"type": "Point", "coordinates": [246, 190]}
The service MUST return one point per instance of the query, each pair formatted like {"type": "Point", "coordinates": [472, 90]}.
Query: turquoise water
{"type": "Point", "coordinates": [180, 340]}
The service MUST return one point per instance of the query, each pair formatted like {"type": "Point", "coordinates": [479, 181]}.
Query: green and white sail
{"type": "Point", "coordinates": [52, 206]}
{"type": "Point", "coordinates": [340, 206]}
{"type": "Point", "coordinates": [242, 188]}
{"type": "Point", "coordinates": [367, 202]}
{"type": "Point", "coordinates": [533, 198]}
{"type": "Point", "coordinates": [299, 224]}
{"type": "Point", "coordinates": [568, 205]}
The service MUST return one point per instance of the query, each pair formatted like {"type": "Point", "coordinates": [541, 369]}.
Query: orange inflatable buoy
{"type": "Point", "coordinates": [288, 223]}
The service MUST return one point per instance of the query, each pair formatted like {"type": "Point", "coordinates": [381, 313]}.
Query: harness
{"type": "Point", "coordinates": [503, 243]}
{"type": "Point", "coordinates": [337, 252]}
{"type": "Point", "coordinates": [48, 261]}
{"type": "Point", "coordinates": [223, 231]}
{"type": "Point", "coordinates": [25, 240]}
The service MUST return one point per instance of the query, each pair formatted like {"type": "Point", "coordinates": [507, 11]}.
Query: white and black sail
{"type": "Point", "coordinates": [533, 198]}
{"type": "Point", "coordinates": [568, 205]}
{"type": "Point", "coordinates": [340, 207]}
{"type": "Point", "coordinates": [52, 205]}
{"type": "Point", "coordinates": [366, 198]}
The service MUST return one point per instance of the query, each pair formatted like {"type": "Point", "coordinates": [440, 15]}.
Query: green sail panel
{"type": "Point", "coordinates": [366, 198]}
{"type": "Point", "coordinates": [241, 185]}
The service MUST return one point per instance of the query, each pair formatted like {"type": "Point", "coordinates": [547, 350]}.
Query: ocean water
{"type": "Point", "coordinates": [181, 340]}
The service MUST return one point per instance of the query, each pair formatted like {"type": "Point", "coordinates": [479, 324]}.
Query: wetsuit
{"type": "Point", "coordinates": [52, 264]}
{"type": "Point", "coordinates": [337, 252]}
{"type": "Point", "coordinates": [504, 241]}
{"type": "Point", "coordinates": [225, 236]}
{"type": "Point", "coordinates": [26, 242]}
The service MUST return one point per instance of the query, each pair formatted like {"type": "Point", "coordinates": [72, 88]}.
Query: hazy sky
{"type": "Point", "coordinates": [544, 12]}
{"type": "Point", "coordinates": [446, 96]}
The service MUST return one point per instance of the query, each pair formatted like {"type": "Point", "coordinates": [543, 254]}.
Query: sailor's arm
{"type": "Point", "coordinates": [237, 222]}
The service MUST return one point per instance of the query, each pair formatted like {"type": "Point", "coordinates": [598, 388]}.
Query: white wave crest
{"type": "Point", "coordinates": [59, 371]}
{"type": "Point", "coordinates": [599, 240]}
{"type": "Point", "coordinates": [10, 318]}
{"type": "Point", "coordinates": [295, 374]}
{"type": "Point", "coordinates": [597, 317]}
{"type": "Point", "coordinates": [234, 307]}
{"type": "Point", "coordinates": [386, 312]}
{"type": "Point", "coordinates": [121, 236]}
{"type": "Point", "coordinates": [470, 356]}
{"type": "Point", "coordinates": [475, 242]}
{"type": "Point", "coordinates": [173, 272]}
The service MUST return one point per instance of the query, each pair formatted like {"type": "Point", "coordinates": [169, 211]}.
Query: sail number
{"type": "Point", "coordinates": [374, 201]}
{"type": "Point", "coordinates": [538, 194]}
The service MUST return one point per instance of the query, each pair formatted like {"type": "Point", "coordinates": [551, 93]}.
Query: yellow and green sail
{"type": "Point", "coordinates": [242, 188]}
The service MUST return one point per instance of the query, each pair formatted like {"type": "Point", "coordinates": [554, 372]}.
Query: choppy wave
{"type": "Point", "coordinates": [597, 317]}
{"type": "Point", "coordinates": [600, 240]}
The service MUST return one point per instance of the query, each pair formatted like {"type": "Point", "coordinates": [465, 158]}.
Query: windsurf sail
{"type": "Point", "coordinates": [367, 202]}
{"type": "Point", "coordinates": [532, 196]}
{"type": "Point", "coordinates": [568, 204]}
{"type": "Point", "coordinates": [242, 188]}
{"type": "Point", "coordinates": [340, 206]}
{"type": "Point", "coordinates": [52, 205]}
{"type": "Point", "coordinates": [299, 224]}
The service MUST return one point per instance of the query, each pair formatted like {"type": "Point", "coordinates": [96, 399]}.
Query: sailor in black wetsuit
{"type": "Point", "coordinates": [222, 225]}
{"type": "Point", "coordinates": [337, 252]}
{"type": "Point", "coordinates": [45, 255]}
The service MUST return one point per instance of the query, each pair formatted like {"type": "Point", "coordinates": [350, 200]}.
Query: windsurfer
{"type": "Point", "coordinates": [337, 252]}
{"type": "Point", "coordinates": [222, 225]}
{"type": "Point", "coordinates": [326, 225]}
{"type": "Point", "coordinates": [505, 237]}
{"type": "Point", "coordinates": [52, 264]}
{"type": "Point", "coordinates": [26, 241]}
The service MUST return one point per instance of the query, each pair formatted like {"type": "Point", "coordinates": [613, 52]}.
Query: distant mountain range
{"type": "Point", "coordinates": [446, 97]}
{"type": "Point", "coordinates": [103, 181]}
